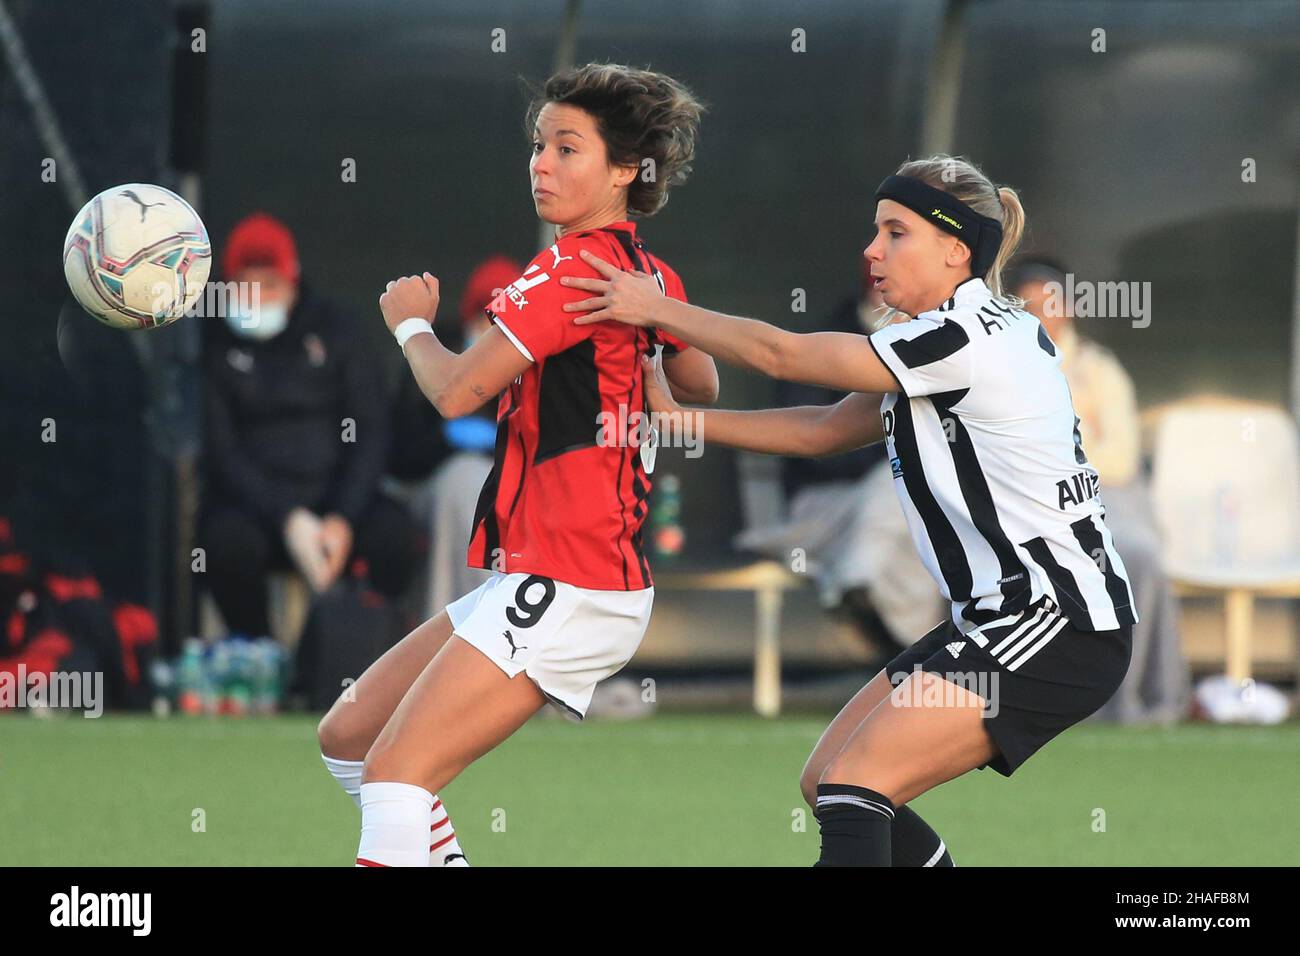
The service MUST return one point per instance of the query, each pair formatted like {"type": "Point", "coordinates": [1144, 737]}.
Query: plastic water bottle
{"type": "Point", "coordinates": [163, 678]}
{"type": "Point", "coordinates": [668, 536]}
{"type": "Point", "coordinates": [237, 693]}
{"type": "Point", "coordinates": [218, 677]}
{"type": "Point", "coordinates": [267, 660]}
{"type": "Point", "coordinates": [191, 675]}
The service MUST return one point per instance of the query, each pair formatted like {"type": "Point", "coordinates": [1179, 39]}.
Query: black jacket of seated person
{"type": "Point", "coordinates": [276, 439]}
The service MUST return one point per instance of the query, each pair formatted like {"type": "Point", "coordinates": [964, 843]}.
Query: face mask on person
{"type": "Point", "coordinates": [268, 321]}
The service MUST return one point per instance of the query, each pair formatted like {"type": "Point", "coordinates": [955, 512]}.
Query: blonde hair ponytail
{"type": "Point", "coordinates": [1013, 229]}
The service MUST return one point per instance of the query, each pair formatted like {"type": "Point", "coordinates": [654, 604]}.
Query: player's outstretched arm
{"type": "Point", "coordinates": [839, 360]}
{"type": "Point", "coordinates": [457, 385]}
{"type": "Point", "coordinates": [809, 431]}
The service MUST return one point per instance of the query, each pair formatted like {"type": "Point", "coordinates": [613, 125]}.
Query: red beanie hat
{"type": "Point", "coordinates": [491, 276]}
{"type": "Point", "coordinates": [261, 240]}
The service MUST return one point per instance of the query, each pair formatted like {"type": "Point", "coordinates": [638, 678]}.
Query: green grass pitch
{"type": "Point", "coordinates": [676, 790]}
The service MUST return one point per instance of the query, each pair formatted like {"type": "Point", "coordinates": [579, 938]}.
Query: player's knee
{"type": "Point", "coordinates": [385, 762]}
{"type": "Point", "coordinates": [326, 736]}
{"type": "Point", "coordinates": [857, 772]}
{"type": "Point", "coordinates": [378, 766]}
{"type": "Point", "coordinates": [334, 739]}
{"type": "Point", "coordinates": [381, 766]}
{"type": "Point", "coordinates": [834, 772]}
{"type": "Point", "coordinates": [808, 781]}
{"type": "Point", "coordinates": [898, 784]}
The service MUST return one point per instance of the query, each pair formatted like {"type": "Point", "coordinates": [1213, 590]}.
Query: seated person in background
{"type": "Point", "coordinates": [1158, 684]}
{"type": "Point", "coordinates": [438, 466]}
{"type": "Point", "coordinates": [296, 435]}
{"type": "Point", "coordinates": [843, 512]}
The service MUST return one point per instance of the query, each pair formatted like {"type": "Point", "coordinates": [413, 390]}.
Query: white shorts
{"type": "Point", "coordinates": [566, 639]}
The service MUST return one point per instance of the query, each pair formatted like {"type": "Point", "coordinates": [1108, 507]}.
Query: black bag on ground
{"type": "Point", "coordinates": [348, 628]}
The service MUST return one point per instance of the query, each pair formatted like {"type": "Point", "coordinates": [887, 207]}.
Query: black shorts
{"type": "Point", "coordinates": [1038, 674]}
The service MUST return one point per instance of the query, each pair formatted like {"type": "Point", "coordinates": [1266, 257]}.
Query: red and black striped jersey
{"type": "Point", "coordinates": [563, 500]}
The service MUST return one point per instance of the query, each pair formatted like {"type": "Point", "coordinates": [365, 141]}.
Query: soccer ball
{"type": "Point", "coordinates": [137, 256]}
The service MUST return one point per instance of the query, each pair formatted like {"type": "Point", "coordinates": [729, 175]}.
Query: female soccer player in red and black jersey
{"type": "Point", "coordinates": [559, 521]}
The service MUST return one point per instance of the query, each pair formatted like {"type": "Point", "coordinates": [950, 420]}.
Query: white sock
{"type": "Point", "coordinates": [444, 849]}
{"type": "Point", "coordinates": [348, 774]}
{"type": "Point", "coordinates": [394, 825]}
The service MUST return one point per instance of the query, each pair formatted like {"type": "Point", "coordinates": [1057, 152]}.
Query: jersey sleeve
{"type": "Point", "coordinates": [672, 344]}
{"type": "Point", "coordinates": [529, 310]}
{"type": "Point", "coordinates": [674, 289]}
{"type": "Point", "coordinates": [925, 357]}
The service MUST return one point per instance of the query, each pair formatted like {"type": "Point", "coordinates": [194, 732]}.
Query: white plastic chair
{"type": "Point", "coordinates": [1226, 487]}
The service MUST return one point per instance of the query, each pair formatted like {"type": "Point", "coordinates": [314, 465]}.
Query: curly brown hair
{"type": "Point", "coordinates": [641, 115]}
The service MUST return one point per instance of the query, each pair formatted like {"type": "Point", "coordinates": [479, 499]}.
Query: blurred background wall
{"type": "Point", "coordinates": [1129, 162]}
{"type": "Point", "coordinates": [91, 493]}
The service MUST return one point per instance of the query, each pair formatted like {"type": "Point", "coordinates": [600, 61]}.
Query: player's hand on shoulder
{"type": "Point", "coordinates": [409, 297]}
{"type": "Point", "coordinates": [629, 297]}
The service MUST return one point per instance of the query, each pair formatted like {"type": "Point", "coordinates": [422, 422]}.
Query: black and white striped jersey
{"type": "Point", "coordinates": [989, 466]}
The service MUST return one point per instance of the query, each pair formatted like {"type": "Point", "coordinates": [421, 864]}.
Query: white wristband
{"type": "Point", "coordinates": [409, 327]}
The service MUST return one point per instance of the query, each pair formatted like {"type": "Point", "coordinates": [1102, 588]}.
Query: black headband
{"type": "Point", "coordinates": [980, 234]}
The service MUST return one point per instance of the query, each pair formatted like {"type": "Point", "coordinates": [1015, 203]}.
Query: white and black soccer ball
{"type": "Point", "coordinates": [137, 256]}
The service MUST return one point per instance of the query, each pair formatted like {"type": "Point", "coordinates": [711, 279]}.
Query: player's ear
{"type": "Point", "coordinates": [623, 175]}
{"type": "Point", "coordinates": [958, 252]}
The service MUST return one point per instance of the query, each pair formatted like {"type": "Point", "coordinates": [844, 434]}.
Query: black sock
{"type": "Point", "coordinates": [914, 842]}
{"type": "Point", "coordinates": [855, 824]}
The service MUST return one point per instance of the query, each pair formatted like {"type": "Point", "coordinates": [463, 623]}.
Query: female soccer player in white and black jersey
{"type": "Point", "coordinates": [1001, 502]}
